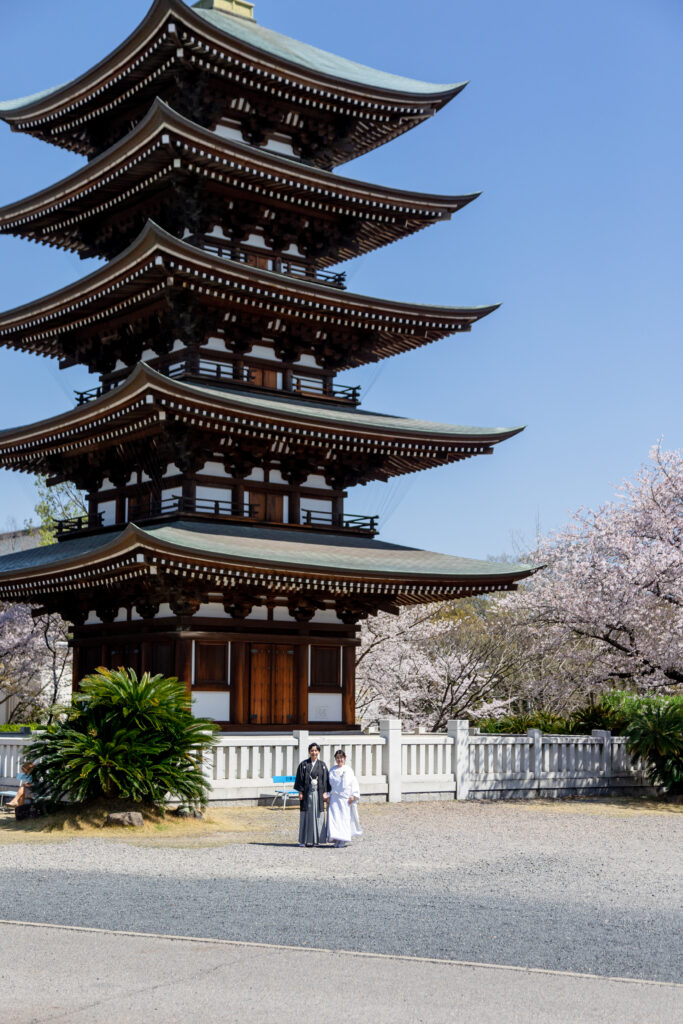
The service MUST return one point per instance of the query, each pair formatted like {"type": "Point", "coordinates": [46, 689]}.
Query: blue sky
{"type": "Point", "coordinates": [570, 127]}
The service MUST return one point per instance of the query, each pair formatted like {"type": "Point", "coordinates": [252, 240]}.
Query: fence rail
{"type": "Point", "coordinates": [392, 765]}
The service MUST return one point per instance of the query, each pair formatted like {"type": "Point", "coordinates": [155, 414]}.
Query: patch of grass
{"type": "Point", "coordinates": [220, 824]}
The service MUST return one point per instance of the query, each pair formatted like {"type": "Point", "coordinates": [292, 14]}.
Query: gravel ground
{"type": "Point", "coordinates": [574, 886]}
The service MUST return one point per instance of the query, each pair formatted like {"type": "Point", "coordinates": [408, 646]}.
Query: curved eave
{"type": "Point", "coordinates": [35, 326]}
{"type": "Point", "coordinates": [318, 68]}
{"type": "Point", "coordinates": [99, 174]}
{"type": "Point", "coordinates": [223, 556]}
{"type": "Point", "coordinates": [147, 393]}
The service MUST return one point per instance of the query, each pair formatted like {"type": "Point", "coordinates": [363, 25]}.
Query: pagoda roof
{"type": "Point", "coordinates": [357, 328]}
{"type": "Point", "coordinates": [228, 51]}
{"type": "Point", "coordinates": [222, 556]}
{"type": "Point", "coordinates": [138, 412]}
{"type": "Point", "coordinates": [335, 218]}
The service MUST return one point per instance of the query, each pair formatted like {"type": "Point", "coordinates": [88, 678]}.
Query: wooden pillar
{"type": "Point", "coordinates": [239, 684]}
{"type": "Point", "coordinates": [294, 515]}
{"type": "Point", "coordinates": [75, 670]}
{"type": "Point", "coordinates": [145, 656]}
{"type": "Point", "coordinates": [120, 505]}
{"type": "Point", "coordinates": [302, 684]}
{"type": "Point", "coordinates": [183, 661]}
{"type": "Point", "coordinates": [349, 685]}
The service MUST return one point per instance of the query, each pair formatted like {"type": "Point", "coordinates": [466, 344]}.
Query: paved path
{"type": "Point", "coordinates": [81, 977]}
{"type": "Point", "coordinates": [577, 888]}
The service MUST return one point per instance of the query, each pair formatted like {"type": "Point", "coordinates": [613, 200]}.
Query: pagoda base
{"type": "Point", "coordinates": [245, 676]}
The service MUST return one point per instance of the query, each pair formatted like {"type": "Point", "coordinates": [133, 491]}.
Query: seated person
{"type": "Point", "coordinates": [24, 792]}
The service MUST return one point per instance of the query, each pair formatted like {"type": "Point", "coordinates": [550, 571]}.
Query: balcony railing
{"type": "Point", "coordinates": [227, 373]}
{"type": "Point", "coordinates": [82, 397]}
{"type": "Point", "coordinates": [319, 388]}
{"type": "Point", "coordinates": [277, 264]}
{"type": "Point", "coordinates": [361, 524]}
{"type": "Point", "coordinates": [208, 508]}
{"type": "Point", "coordinates": [78, 524]}
{"type": "Point", "coordinates": [177, 505]}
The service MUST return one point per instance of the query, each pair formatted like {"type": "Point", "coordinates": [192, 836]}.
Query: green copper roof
{"type": "Point", "coordinates": [275, 46]}
{"type": "Point", "coordinates": [50, 555]}
{"type": "Point", "coordinates": [313, 59]}
{"type": "Point", "coordinates": [271, 548]}
{"type": "Point", "coordinates": [341, 416]}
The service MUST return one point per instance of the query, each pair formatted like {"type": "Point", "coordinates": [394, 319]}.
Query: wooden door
{"type": "Point", "coordinates": [263, 378]}
{"type": "Point", "coordinates": [267, 507]}
{"type": "Point", "coordinates": [272, 684]}
{"type": "Point", "coordinates": [283, 688]}
{"type": "Point", "coordinates": [260, 683]}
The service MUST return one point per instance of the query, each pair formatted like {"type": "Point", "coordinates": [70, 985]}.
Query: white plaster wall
{"type": "Point", "coordinates": [261, 352]}
{"type": "Point", "coordinates": [211, 704]}
{"type": "Point", "coordinates": [280, 146]}
{"type": "Point", "coordinates": [306, 359]}
{"type": "Point", "coordinates": [325, 707]}
{"type": "Point", "coordinates": [326, 615]}
{"type": "Point", "coordinates": [316, 481]}
{"type": "Point", "coordinates": [280, 614]}
{"type": "Point", "coordinates": [108, 510]}
{"type": "Point", "coordinates": [213, 493]}
{"type": "Point", "coordinates": [257, 475]}
{"type": "Point", "coordinates": [215, 344]}
{"type": "Point", "coordinates": [213, 469]}
{"type": "Point", "coordinates": [227, 131]}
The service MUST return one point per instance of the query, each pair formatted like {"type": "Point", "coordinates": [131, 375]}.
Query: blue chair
{"type": "Point", "coordinates": [283, 788]}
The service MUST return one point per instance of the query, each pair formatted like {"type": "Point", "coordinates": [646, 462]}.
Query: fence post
{"type": "Point", "coordinates": [605, 737]}
{"type": "Point", "coordinates": [536, 759]}
{"type": "Point", "coordinates": [459, 729]}
{"type": "Point", "coordinates": [302, 735]}
{"type": "Point", "coordinates": [390, 729]}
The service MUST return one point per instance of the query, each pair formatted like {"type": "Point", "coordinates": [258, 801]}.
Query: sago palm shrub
{"type": "Point", "coordinates": [656, 735]}
{"type": "Point", "coordinates": [123, 738]}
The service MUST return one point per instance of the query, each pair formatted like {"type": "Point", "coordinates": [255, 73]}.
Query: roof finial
{"type": "Point", "coordinates": [242, 8]}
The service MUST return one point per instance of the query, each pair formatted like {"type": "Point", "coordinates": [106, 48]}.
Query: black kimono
{"type": "Point", "coordinates": [312, 780]}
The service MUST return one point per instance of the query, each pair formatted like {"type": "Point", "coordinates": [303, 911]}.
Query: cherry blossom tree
{"type": "Point", "coordinates": [608, 609]}
{"type": "Point", "coordinates": [429, 664]}
{"type": "Point", "coordinates": [34, 662]}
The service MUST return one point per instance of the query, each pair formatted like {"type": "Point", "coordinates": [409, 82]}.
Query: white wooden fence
{"type": "Point", "coordinates": [460, 764]}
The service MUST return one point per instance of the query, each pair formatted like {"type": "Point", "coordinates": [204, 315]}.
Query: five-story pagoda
{"type": "Point", "coordinates": [217, 450]}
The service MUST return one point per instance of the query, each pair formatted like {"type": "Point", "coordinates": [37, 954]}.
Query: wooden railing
{"type": "Point", "coordinates": [205, 370]}
{"type": "Point", "coordinates": [212, 508]}
{"type": "Point", "coordinates": [254, 257]}
{"type": "Point", "coordinates": [176, 505]}
{"type": "Point", "coordinates": [340, 521]}
{"type": "Point", "coordinates": [78, 524]}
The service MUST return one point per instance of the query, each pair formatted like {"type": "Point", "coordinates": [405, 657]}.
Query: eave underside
{"type": "Point", "coordinates": [171, 170]}
{"type": "Point", "coordinates": [161, 287]}
{"type": "Point", "coordinates": [152, 421]}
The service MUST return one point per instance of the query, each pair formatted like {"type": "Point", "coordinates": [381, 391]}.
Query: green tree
{"type": "Point", "coordinates": [59, 501]}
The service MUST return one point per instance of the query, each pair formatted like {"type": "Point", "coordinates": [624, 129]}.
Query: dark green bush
{"type": "Point", "coordinates": [611, 711]}
{"type": "Point", "coordinates": [520, 723]}
{"type": "Point", "coordinates": [123, 738]}
{"type": "Point", "coordinates": [655, 733]}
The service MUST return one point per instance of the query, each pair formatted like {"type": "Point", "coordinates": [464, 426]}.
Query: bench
{"type": "Point", "coordinates": [283, 788]}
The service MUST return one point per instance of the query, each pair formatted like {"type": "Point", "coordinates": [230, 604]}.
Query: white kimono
{"type": "Point", "coordinates": [342, 818]}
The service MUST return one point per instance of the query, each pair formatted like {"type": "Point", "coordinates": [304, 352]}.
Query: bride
{"type": "Point", "coordinates": [342, 817]}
